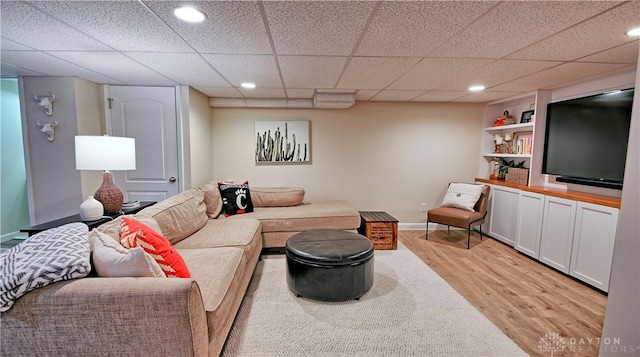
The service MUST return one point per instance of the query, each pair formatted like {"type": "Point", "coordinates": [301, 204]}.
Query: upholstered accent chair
{"type": "Point", "coordinates": [460, 217]}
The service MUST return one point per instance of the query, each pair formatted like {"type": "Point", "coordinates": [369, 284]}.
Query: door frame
{"type": "Point", "coordinates": [180, 130]}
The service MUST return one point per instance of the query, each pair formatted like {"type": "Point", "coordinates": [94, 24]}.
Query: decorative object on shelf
{"type": "Point", "coordinates": [46, 102]}
{"type": "Point", "coordinates": [282, 142]}
{"type": "Point", "coordinates": [49, 129]}
{"type": "Point", "coordinates": [517, 175]}
{"type": "Point", "coordinates": [505, 119]}
{"type": "Point", "coordinates": [91, 209]}
{"type": "Point", "coordinates": [498, 139]}
{"type": "Point", "coordinates": [106, 153]}
{"type": "Point", "coordinates": [507, 143]}
{"type": "Point", "coordinates": [523, 142]}
{"type": "Point", "coordinates": [527, 116]}
{"type": "Point", "coordinates": [494, 168]}
{"type": "Point", "coordinates": [506, 165]}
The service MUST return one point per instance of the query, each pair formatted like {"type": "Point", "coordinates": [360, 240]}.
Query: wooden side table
{"type": "Point", "coordinates": [381, 228]}
{"type": "Point", "coordinates": [76, 218]}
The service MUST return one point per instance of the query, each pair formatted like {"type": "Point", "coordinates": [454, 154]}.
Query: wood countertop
{"type": "Point", "coordinates": [568, 194]}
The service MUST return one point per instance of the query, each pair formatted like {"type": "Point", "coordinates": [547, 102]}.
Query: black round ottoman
{"type": "Point", "coordinates": [329, 265]}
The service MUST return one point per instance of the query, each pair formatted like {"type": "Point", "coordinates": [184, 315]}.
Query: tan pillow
{"type": "Point", "coordinates": [277, 196]}
{"type": "Point", "coordinates": [179, 216]}
{"type": "Point", "coordinates": [111, 259]}
{"type": "Point", "coordinates": [112, 228]}
{"type": "Point", "coordinates": [212, 199]}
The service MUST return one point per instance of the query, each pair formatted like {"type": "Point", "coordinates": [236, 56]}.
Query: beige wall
{"type": "Point", "coordinates": [377, 156]}
{"type": "Point", "coordinates": [200, 138]}
{"type": "Point", "coordinates": [622, 321]}
{"type": "Point", "coordinates": [90, 120]}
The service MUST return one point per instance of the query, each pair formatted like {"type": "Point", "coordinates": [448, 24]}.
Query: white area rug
{"type": "Point", "coordinates": [409, 311]}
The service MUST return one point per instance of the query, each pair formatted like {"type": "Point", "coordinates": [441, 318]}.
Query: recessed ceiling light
{"type": "Point", "coordinates": [476, 88]}
{"type": "Point", "coordinates": [634, 32]}
{"type": "Point", "coordinates": [248, 85]}
{"type": "Point", "coordinates": [189, 14]}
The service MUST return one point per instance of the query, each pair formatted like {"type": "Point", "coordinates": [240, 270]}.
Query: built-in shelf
{"type": "Point", "coordinates": [494, 154]}
{"type": "Point", "coordinates": [510, 126]}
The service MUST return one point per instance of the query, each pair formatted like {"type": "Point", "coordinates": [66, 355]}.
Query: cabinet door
{"type": "Point", "coordinates": [557, 232]}
{"type": "Point", "coordinates": [529, 225]}
{"type": "Point", "coordinates": [593, 241]}
{"type": "Point", "coordinates": [504, 213]}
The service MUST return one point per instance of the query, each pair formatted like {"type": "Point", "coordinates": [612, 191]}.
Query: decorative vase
{"type": "Point", "coordinates": [91, 209]}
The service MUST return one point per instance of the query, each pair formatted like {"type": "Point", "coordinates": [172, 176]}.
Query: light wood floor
{"type": "Point", "coordinates": [521, 296]}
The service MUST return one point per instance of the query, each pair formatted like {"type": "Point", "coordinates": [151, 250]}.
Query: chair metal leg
{"type": "Point", "coordinates": [449, 230]}
{"type": "Point", "coordinates": [469, 237]}
{"type": "Point", "coordinates": [481, 232]}
{"type": "Point", "coordinates": [427, 233]}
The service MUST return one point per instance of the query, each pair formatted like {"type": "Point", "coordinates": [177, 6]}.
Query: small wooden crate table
{"type": "Point", "coordinates": [381, 228]}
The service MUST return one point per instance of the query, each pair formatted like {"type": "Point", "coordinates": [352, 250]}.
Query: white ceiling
{"type": "Point", "coordinates": [418, 51]}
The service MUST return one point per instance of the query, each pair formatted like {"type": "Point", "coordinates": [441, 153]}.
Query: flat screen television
{"type": "Point", "coordinates": [586, 139]}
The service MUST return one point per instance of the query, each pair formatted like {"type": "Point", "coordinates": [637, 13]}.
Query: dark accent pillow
{"type": "Point", "coordinates": [236, 198]}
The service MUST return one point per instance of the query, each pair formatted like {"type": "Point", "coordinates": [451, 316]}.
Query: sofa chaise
{"type": "Point", "coordinates": [168, 316]}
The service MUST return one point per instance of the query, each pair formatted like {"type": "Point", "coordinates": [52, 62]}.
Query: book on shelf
{"type": "Point", "coordinates": [130, 205]}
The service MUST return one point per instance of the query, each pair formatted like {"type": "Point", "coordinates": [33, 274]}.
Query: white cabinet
{"type": "Point", "coordinates": [529, 224]}
{"type": "Point", "coordinates": [557, 232]}
{"type": "Point", "coordinates": [504, 212]}
{"type": "Point", "coordinates": [593, 240]}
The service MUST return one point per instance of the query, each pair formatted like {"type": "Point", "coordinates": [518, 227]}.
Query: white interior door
{"type": "Point", "coordinates": [149, 115]}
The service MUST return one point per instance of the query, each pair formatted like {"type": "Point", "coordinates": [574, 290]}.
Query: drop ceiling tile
{"type": "Point", "coordinates": [114, 22]}
{"type": "Point", "coordinates": [374, 72]}
{"type": "Point", "coordinates": [182, 68]}
{"type": "Point", "coordinates": [8, 45]}
{"type": "Point", "coordinates": [502, 71]}
{"type": "Point", "coordinates": [365, 94]}
{"type": "Point", "coordinates": [415, 28]}
{"type": "Point", "coordinates": [216, 92]}
{"type": "Point", "coordinates": [262, 92]}
{"type": "Point", "coordinates": [44, 64]}
{"type": "Point", "coordinates": [483, 97]}
{"type": "Point", "coordinates": [9, 70]}
{"type": "Point", "coordinates": [556, 76]}
{"type": "Point", "coordinates": [31, 27]}
{"type": "Point", "coordinates": [513, 25]}
{"type": "Point", "coordinates": [311, 72]}
{"type": "Point", "coordinates": [115, 65]}
{"type": "Point", "coordinates": [396, 95]}
{"type": "Point", "coordinates": [440, 96]}
{"type": "Point", "coordinates": [230, 27]}
{"type": "Point", "coordinates": [597, 34]}
{"type": "Point", "coordinates": [299, 93]}
{"type": "Point", "coordinates": [627, 53]}
{"type": "Point", "coordinates": [439, 73]}
{"type": "Point", "coordinates": [316, 28]}
{"type": "Point", "coordinates": [258, 69]}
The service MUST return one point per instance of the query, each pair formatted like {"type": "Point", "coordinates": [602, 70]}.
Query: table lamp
{"type": "Point", "coordinates": [106, 153]}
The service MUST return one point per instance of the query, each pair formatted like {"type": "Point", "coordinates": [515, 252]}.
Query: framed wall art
{"type": "Point", "coordinates": [282, 142]}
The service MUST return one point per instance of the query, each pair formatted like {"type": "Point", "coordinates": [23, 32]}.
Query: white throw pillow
{"type": "Point", "coordinates": [111, 259]}
{"type": "Point", "coordinates": [50, 256]}
{"type": "Point", "coordinates": [462, 195]}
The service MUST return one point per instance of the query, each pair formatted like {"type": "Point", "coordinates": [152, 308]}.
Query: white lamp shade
{"type": "Point", "coordinates": [105, 153]}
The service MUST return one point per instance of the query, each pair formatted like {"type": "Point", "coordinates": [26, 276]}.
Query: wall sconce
{"type": "Point", "coordinates": [46, 102]}
{"type": "Point", "coordinates": [49, 129]}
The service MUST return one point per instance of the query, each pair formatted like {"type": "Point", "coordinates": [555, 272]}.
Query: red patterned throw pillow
{"type": "Point", "coordinates": [136, 234]}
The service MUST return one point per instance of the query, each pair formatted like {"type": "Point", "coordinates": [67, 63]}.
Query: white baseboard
{"type": "Point", "coordinates": [422, 226]}
{"type": "Point", "coordinates": [12, 236]}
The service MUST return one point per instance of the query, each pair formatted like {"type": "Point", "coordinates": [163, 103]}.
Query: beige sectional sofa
{"type": "Point", "coordinates": [167, 316]}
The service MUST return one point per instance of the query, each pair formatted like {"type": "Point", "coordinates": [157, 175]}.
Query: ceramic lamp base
{"type": "Point", "coordinates": [109, 194]}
